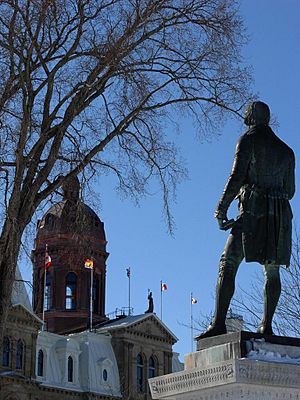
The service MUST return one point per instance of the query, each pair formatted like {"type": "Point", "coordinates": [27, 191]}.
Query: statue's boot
{"type": "Point", "coordinates": [224, 293]}
{"type": "Point", "coordinates": [213, 330]}
{"type": "Point", "coordinates": [272, 290]}
{"type": "Point", "coordinates": [229, 263]}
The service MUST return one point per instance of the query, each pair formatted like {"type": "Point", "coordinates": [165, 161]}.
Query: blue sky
{"type": "Point", "coordinates": [188, 262]}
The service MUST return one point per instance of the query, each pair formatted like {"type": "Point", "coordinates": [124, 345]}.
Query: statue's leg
{"type": "Point", "coordinates": [272, 290]}
{"type": "Point", "coordinates": [229, 263]}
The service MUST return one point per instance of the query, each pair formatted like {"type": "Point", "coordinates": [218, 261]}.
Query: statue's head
{"type": "Point", "coordinates": [257, 113]}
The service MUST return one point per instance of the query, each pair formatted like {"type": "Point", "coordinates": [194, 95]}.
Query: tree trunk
{"type": "Point", "coordinates": [10, 242]}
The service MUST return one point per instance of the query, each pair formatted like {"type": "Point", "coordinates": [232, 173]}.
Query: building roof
{"type": "Point", "coordinates": [92, 353]}
{"type": "Point", "coordinates": [19, 293]}
{"type": "Point", "coordinates": [130, 320]}
{"type": "Point", "coordinates": [71, 216]}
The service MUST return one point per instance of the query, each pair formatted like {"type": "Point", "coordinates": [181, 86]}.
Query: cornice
{"type": "Point", "coordinates": [49, 389]}
{"type": "Point", "coordinates": [239, 372]}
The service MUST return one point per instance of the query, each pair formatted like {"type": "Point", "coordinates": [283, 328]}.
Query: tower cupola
{"type": "Point", "coordinates": [72, 233]}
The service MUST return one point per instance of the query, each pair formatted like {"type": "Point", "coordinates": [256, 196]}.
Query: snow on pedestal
{"type": "Point", "coordinates": [236, 366]}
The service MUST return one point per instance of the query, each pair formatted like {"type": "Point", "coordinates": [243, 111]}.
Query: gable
{"type": "Point", "coordinates": [151, 328]}
{"type": "Point", "coordinates": [20, 314]}
{"type": "Point", "coordinates": [147, 325]}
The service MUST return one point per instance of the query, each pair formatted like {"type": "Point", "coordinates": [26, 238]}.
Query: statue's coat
{"type": "Point", "coordinates": [263, 180]}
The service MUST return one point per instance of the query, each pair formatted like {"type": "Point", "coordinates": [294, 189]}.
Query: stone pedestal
{"type": "Point", "coordinates": [239, 365]}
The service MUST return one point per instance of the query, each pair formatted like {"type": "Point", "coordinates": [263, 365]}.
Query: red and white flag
{"type": "Point", "coordinates": [164, 287]}
{"type": "Point", "coordinates": [193, 300]}
{"type": "Point", "coordinates": [48, 261]}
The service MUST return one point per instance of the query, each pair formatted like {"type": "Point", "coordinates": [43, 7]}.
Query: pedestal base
{"type": "Point", "coordinates": [233, 367]}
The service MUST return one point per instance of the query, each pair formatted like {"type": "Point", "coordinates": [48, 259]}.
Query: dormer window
{"type": "Point", "coordinates": [105, 375]}
{"type": "Point", "coordinates": [70, 369]}
{"type": "Point", "coordinates": [40, 363]}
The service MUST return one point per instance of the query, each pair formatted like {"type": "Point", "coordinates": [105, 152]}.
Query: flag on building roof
{"type": "Point", "coordinates": [194, 300]}
{"type": "Point", "coordinates": [164, 287]}
{"type": "Point", "coordinates": [48, 261]}
{"type": "Point", "coordinates": [89, 264]}
{"type": "Point", "coordinates": [128, 272]}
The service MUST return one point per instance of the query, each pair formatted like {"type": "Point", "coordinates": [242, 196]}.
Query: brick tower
{"type": "Point", "coordinates": [73, 233]}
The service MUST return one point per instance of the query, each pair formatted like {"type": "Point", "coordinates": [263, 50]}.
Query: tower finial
{"type": "Point", "coordinates": [71, 188]}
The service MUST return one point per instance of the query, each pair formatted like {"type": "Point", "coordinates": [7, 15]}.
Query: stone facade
{"type": "Point", "coordinates": [145, 338]}
{"type": "Point", "coordinates": [249, 367]}
{"type": "Point", "coordinates": [20, 335]}
{"type": "Point", "coordinates": [230, 380]}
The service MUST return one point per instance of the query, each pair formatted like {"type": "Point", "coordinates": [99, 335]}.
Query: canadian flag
{"type": "Point", "coordinates": [164, 287]}
{"type": "Point", "coordinates": [48, 261]}
{"type": "Point", "coordinates": [193, 300]}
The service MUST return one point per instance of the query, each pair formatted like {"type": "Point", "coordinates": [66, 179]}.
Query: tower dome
{"type": "Point", "coordinates": [72, 232]}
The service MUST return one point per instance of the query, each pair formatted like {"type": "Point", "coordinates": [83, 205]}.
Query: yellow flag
{"type": "Point", "coordinates": [89, 264]}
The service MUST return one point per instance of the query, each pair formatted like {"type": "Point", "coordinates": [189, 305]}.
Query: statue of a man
{"type": "Point", "coordinates": [262, 179]}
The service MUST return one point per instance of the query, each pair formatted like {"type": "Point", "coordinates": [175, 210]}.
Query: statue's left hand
{"type": "Point", "coordinates": [222, 222]}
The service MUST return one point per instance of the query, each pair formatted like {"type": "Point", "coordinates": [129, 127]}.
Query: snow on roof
{"type": "Point", "coordinates": [130, 320]}
{"type": "Point", "coordinates": [92, 353]}
{"type": "Point", "coordinates": [19, 292]}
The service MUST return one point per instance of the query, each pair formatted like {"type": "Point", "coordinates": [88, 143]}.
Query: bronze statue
{"type": "Point", "coordinates": [262, 180]}
{"type": "Point", "coordinates": [150, 303]}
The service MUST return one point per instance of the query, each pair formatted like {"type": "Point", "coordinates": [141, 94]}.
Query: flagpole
{"type": "Point", "coordinates": [44, 293]}
{"type": "Point", "coordinates": [161, 301]}
{"type": "Point", "coordinates": [44, 289]}
{"type": "Point", "coordinates": [91, 300]}
{"type": "Point", "coordinates": [129, 278]}
{"type": "Point", "coordinates": [192, 327]}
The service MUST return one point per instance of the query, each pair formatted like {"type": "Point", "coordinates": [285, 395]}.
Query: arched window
{"type": "Point", "coordinates": [140, 373]}
{"type": "Point", "coordinates": [49, 220]}
{"type": "Point", "coordinates": [151, 368]}
{"type": "Point", "coordinates": [47, 302]}
{"type": "Point", "coordinates": [19, 354]}
{"type": "Point", "coordinates": [105, 375]}
{"type": "Point", "coordinates": [71, 284]}
{"type": "Point", "coordinates": [96, 294]}
{"type": "Point", "coordinates": [40, 363]}
{"type": "Point", "coordinates": [5, 352]}
{"type": "Point", "coordinates": [70, 369]}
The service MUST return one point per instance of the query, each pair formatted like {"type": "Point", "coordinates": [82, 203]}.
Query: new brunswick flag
{"type": "Point", "coordinates": [89, 264]}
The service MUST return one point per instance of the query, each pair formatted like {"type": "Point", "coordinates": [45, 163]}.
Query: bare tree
{"type": "Point", "coordinates": [287, 317]}
{"type": "Point", "coordinates": [87, 84]}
